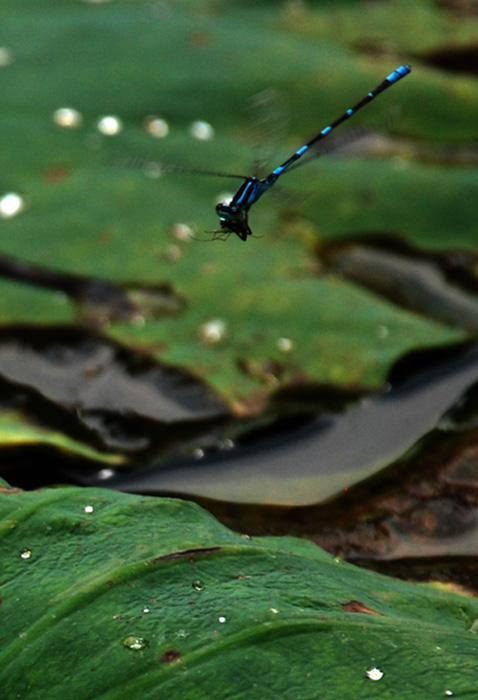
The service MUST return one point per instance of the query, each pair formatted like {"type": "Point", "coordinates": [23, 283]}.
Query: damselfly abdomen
{"type": "Point", "coordinates": [233, 216]}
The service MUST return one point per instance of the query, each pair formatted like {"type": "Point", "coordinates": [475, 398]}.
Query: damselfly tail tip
{"type": "Point", "coordinates": [399, 73]}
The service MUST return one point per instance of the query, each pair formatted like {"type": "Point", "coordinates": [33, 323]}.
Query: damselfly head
{"type": "Point", "coordinates": [233, 219]}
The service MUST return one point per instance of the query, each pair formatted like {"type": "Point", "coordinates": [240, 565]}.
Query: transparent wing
{"type": "Point", "coordinates": [269, 119]}
{"type": "Point", "coordinates": [154, 167]}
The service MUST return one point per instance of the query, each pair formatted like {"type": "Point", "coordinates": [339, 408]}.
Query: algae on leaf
{"type": "Point", "coordinates": [107, 596]}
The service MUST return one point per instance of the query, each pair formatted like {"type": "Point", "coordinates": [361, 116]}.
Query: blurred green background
{"type": "Point", "coordinates": [85, 208]}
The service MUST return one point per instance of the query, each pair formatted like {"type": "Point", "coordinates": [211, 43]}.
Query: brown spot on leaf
{"type": "Point", "coordinates": [186, 554]}
{"type": "Point", "coordinates": [170, 656]}
{"type": "Point", "coordinates": [355, 606]}
{"type": "Point", "coordinates": [199, 39]}
{"type": "Point", "coordinates": [57, 173]}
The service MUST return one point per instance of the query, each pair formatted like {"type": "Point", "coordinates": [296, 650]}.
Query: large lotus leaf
{"type": "Point", "coordinates": [108, 596]}
{"type": "Point", "coordinates": [88, 213]}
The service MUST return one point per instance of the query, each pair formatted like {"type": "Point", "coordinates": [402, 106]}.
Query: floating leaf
{"type": "Point", "coordinates": [83, 388]}
{"type": "Point", "coordinates": [91, 218]}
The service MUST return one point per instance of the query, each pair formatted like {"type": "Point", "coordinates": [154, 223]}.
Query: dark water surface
{"type": "Point", "coordinates": [322, 456]}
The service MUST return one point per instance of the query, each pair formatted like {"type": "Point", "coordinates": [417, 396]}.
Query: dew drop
{"type": "Point", "coordinates": [172, 254]}
{"type": "Point", "coordinates": [375, 674]}
{"type": "Point", "coordinates": [274, 611]}
{"type": "Point", "coordinates": [448, 692]}
{"type": "Point", "coordinates": [67, 118]}
{"type": "Point", "coordinates": [146, 610]}
{"type": "Point", "coordinates": [202, 131]}
{"type": "Point", "coordinates": [109, 125]}
{"type": "Point", "coordinates": [11, 204]}
{"type": "Point", "coordinates": [182, 232]}
{"type": "Point", "coordinates": [198, 453]}
{"type": "Point", "coordinates": [88, 509]}
{"type": "Point", "coordinates": [222, 619]}
{"type": "Point", "coordinates": [285, 344]}
{"type": "Point", "coordinates": [212, 332]}
{"type": "Point", "coordinates": [198, 585]}
{"type": "Point", "coordinates": [6, 56]}
{"type": "Point", "coordinates": [25, 553]}
{"type": "Point", "coordinates": [383, 332]}
{"type": "Point", "coordinates": [226, 444]}
{"type": "Point", "coordinates": [157, 127]}
{"type": "Point", "coordinates": [105, 474]}
{"type": "Point", "coordinates": [135, 643]}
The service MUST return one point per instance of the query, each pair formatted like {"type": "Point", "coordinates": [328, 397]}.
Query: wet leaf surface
{"type": "Point", "coordinates": [328, 303]}
{"type": "Point", "coordinates": [133, 596]}
{"type": "Point", "coordinates": [103, 394]}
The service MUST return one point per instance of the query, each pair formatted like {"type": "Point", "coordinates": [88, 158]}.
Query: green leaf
{"type": "Point", "coordinates": [16, 431]}
{"type": "Point", "coordinates": [107, 596]}
{"type": "Point", "coordinates": [87, 216]}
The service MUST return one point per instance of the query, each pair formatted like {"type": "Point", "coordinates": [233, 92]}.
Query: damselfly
{"type": "Point", "coordinates": [233, 216]}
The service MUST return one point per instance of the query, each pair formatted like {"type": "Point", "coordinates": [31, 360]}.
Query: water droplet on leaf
{"type": "Point", "coordinates": [135, 643]}
{"type": "Point", "coordinates": [26, 553]}
{"type": "Point", "coordinates": [11, 204]}
{"type": "Point", "coordinates": [226, 444]}
{"type": "Point", "coordinates": [6, 56]}
{"type": "Point", "coordinates": [67, 118]}
{"type": "Point", "coordinates": [213, 331]}
{"type": "Point", "coordinates": [157, 127]}
{"type": "Point", "coordinates": [375, 674]}
{"type": "Point", "coordinates": [182, 232]}
{"type": "Point", "coordinates": [109, 125]}
{"type": "Point", "coordinates": [198, 585]}
{"type": "Point", "coordinates": [104, 474]}
{"type": "Point", "coordinates": [285, 344]}
{"type": "Point", "coordinates": [202, 131]}
{"type": "Point", "coordinates": [172, 254]}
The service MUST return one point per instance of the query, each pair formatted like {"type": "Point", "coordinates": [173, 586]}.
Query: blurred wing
{"type": "Point", "coordinates": [269, 119]}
